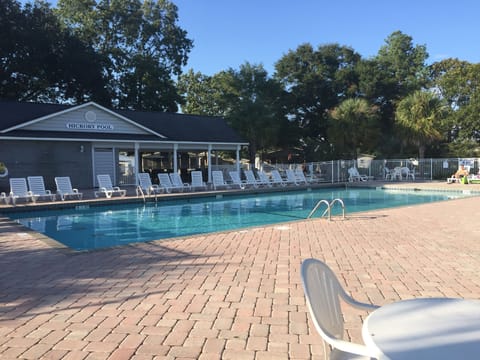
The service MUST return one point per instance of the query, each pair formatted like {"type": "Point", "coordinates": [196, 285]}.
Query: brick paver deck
{"type": "Point", "coordinates": [231, 295]}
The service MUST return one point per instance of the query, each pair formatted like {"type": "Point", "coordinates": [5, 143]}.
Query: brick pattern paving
{"type": "Point", "coordinates": [231, 295]}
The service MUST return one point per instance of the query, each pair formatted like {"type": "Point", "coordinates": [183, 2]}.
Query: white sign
{"type": "Point", "coordinates": [89, 126]}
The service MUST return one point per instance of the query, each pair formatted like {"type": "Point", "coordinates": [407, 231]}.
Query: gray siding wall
{"type": "Point", "coordinates": [48, 159]}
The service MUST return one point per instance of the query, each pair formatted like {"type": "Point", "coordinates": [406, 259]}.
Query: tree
{"type": "Point", "coordinates": [142, 48]}
{"type": "Point", "coordinates": [419, 117]}
{"type": "Point", "coordinates": [251, 103]}
{"type": "Point", "coordinates": [200, 94]}
{"type": "Point", "coordinates": [458, 82]}
{"type": "Point", "coordinates": [316, 81]}
{"type": "Point", "coordinates": [43, 62]}
{"type": "Point", "coordinates": [396, 71]}
{"type": "Point", "coordinates": [354, 127]}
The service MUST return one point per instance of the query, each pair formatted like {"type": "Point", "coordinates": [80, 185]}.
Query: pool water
{"type": "Point", "coordinates": [96, 227]}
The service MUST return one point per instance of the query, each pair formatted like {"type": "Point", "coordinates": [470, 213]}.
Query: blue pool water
{"type": "Point", "coordinates": [87, 228]}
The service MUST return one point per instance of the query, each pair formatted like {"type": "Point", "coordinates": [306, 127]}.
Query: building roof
{"type": "Point", "coordinates": [173, 127]}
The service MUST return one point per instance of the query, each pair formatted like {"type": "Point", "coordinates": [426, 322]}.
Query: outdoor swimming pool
{"type": "Point", "coordinates": [96, 227]}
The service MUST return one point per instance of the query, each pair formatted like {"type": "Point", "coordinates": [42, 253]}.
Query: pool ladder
{"type": "Point", "coordinates": [139, 191]}
{"type": "Point", "coordinates": [329, 208]}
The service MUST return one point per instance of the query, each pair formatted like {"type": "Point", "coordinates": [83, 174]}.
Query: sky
{"type": "Point", "coordinates": [228, 33]}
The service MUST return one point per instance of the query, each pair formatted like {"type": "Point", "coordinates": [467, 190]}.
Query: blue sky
{"type": "Point", "coordinates": [227, 33]}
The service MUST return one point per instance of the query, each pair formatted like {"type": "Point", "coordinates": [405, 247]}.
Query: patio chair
{"type": "Point", "coordinates": [197, 180]}
{"type": "Point", "coordinates": [37, 187]}
{"type": "Point", "coordinates": [64, 188]}
{"type": "Point", "coordinates": [354, 175]}
{"type": "Point", "coordinates": [178, 183]}
{"type": "Point", "coordinates": [105, 187]}
{"type": "Point", "coordinates": [236, 180]}
{"type": "Point", "coordinates": [300, 176]}
{"type": "Point", "coordinates": [146, 186]}
{"type": "Point", "coordinates": [291, 177]}
{"type": "Point", "coordinates": [218, 181]}
{"type": "Point", "coordinates": [264, 179]}
{"type": "Point", "coordinates": [323, 293]}
{"type": "Point", "coordinates": [251, 179]}
{"type": "Point", "coordinates": [19, 190]}
{"type": "Point", "coordinates": [166, 183]}
{"type": "Point", "coordinates": [278, 180]}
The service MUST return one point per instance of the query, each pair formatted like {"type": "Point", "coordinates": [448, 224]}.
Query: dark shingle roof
{"type": "Point", "coordinates": [176, 127]}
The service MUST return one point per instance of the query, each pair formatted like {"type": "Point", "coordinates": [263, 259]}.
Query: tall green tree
{"type": "Point", "coordinates": [316, 81]}
{"type": "Point", "coordinates": [459, 84]}
{"type": "Point", "coordinates": [142, 47]}
{"type": "Point", "coordinates": [251, 101]}
{"type": "Point", "coordinates": [200, 94]}
{"type": "Point", "coordinates": [398, 69]}
{"type": "Point", "coordinates": [419, 118]}
{"type": "Point", "coordinates": [41, 61]}
{"type": "Point", "coordinates": [354, 127]}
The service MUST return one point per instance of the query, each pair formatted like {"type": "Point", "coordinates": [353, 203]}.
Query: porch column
{"type": "Point", "coordinates": [209, 160]}
{"type": "Point", "coordinates": [137, 161]}
{"type": "Point", "coordinates": [238, 158]}
{"type": "Point", "coordinates": [175, 158]}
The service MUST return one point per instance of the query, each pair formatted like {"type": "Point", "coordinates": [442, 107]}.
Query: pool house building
{"type": "Point", "coordinates": [82, 141]}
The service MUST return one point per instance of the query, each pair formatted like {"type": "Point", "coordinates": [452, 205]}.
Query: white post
{"type": "Point", "coordinates": [238, 159]}
{"type": "Point", "coordinates": [175, 158]}
{"type": "Point", "coordinates": [209, 160]}
{"type": "Point", "coordinates": [137, 162]}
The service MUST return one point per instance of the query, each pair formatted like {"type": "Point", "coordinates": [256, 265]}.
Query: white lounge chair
{"type": "Point", "coordinates": [236, 180]}
{"type": "Point", "coordinates": [64, 188]}
{"type": "Point", "coordinates": [300, 176]}
{"type": "Point", "coordinates": [354, 175]}
{"type": "Point", "coordinates": [277, 179]}
{"type": "Point", "coordinates": [19, 190]}
{"type": "Point", "coordinates": [218, 181]}
{"type": "Point", "coordinates": [146, 186]}
{"type": "Point", "coordinates": [105, 187]}
{"type": "Point", "coordinates": [264, 179]}
{"type": "Point", "coordinates": [251, 179]}
{"type": "Point", "coordinates": [197, 180]}
{"type": "Point", "coordinates": [323, 293]}
{"type": "Point", "coordinates": [166, 183]}
{"type": "Point", "coordinates": [37, 187]}
{"type": "Point", "coordinates": [178, 183]}
{"type": "Point", "coordinates": [291, 177]}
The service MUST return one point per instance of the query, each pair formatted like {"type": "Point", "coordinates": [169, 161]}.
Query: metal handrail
{"type": "Point", "coordinates": [139, 191]}
{"type": "Point", "coordinates": [329, 208]}
{"type": "Point", "coordinates": [315, 208]}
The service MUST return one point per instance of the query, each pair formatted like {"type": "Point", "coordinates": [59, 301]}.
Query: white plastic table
{"type": "Point", "coordinates": [425, 328]}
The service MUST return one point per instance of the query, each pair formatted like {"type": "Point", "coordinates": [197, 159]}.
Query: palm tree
{"type": "Point", "coordinates": [419, 115]}
{"type": "Point", "coordinates": [354, 126]}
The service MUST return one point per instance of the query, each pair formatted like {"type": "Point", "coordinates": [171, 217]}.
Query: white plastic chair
{"type": "Point", "coordinates": [264, 179]}
{"type": "Point", "coordinates": [19, 190]}
{"type": "Point", "coordinates": [291, 177]}
{"type": "Point", "coordinates": [300, 176]}
{"type": "Point", "coordinates": [236, 180]}
{"type": "Point", "coordinates": [251, 179]}
{"type": "Point", "coordinates": [145, 183]}
{"type": "Point", "coordinates": [277, 179]}
{"type": "Point", "coordinates": [37, 187]}
{"type": "Point", "coordinates": [64, 188]}
{"type": "Point", "coordinates": [323, 293]}
{"type": "Point", "coordinates": [178, 183]}
{"type": "Point", "coordinates": [197, 180]}
{"type": "Point", "coordinates": [354, 175]}
{"type": "Point", "coordinates": [218, 181]}
{"type": "Point", "coordinates": [105, 187]}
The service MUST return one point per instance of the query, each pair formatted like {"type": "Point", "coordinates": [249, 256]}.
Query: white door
{"type": "Point", "coordinates": [104, 163]}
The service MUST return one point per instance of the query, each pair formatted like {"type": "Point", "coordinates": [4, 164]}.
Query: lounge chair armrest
{"type": "Point", "coordinates": [75, 190]}
{"type": "Point", "coordinates": [116, 188]}
{"type": "Point", "coordinates": [48, 192]}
